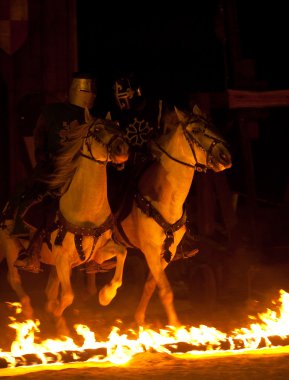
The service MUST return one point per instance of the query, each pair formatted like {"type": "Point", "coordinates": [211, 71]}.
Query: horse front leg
{"type": "Point", "coordinates": [63, 272]}
{"type": "Point", "coordinates": [57, 303]}
{"type": "Point", "coordinates": [108, 292]}
{"type": "Point", "coordinates": [52, 294]}
{"type": "Point", "coordinates": [148, 291]}
{"type": "Point", "coordinates": [165, 291]}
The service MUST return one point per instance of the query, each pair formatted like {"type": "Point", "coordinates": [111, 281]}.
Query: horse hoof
{"type": "Point", "coordinates": [175, 323]}
{"type": "Point", "coordinates": [106, 296]}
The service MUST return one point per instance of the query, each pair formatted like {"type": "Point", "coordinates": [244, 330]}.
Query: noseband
{"type": "Point", "coordinates": [94, 134]}
{"type": "Point", "coordinates": [192, 141]}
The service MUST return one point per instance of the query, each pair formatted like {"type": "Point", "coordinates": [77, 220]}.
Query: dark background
{"type": "Point", "coordinates": [186, 46]}
{"type": "Point", "coordinates": [173, 49]}
{"type": "Point", "coordinates": [199, 47]}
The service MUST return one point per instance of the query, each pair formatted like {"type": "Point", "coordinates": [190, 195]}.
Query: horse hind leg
{"type": "Point", "coordinates": [14, 280]}
{"type": "Point", "coordinates": [108, 292]}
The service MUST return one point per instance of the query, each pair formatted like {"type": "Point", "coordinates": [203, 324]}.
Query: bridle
{"type": "Point", "coordinates": [192, 141]}
{"type": "Point", "coordinates": [93, 132]}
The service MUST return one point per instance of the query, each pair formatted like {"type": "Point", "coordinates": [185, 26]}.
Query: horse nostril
{"type": "Point", "coordinates": [118, 148]}
{"type": "Point", "coordinates": [225, 158]}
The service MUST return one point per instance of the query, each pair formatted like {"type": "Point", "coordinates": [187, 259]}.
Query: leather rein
{"type": "Point", "coordinates": [191, 141]}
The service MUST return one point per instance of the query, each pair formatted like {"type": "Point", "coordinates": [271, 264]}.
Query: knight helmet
{"type": "Point", "coordinates": [82, 91]}
{"type": "Point", "coordinates": [126, 92]}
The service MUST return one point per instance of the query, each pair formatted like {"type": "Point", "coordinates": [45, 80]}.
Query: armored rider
{"type": "Point", "coordinates": [34, 208]}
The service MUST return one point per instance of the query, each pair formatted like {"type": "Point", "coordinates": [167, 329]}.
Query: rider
{"type": "Point", "coordinates": [140, 118]}
{"type": "Point", "coordinates": [32, 205]}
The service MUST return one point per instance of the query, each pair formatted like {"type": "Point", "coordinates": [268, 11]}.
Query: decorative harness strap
{"type": "Point", "coordinates": [64, 226]}
{"type": "Point", "coordinates": [147, 208]}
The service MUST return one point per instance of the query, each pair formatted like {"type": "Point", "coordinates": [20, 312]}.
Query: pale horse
{"type": "Point", "coordinates": [156, 223]}
{"type": "Point", "coordinates": [84, 223]}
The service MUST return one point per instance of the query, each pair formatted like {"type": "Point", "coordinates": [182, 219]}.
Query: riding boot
{"type": "Point", "coordinates": [29, 260]}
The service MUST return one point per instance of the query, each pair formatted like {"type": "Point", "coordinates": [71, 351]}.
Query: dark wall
{"type": "Point", "coordinates": [39, 71]}
{"type": "Point", "coordinates": [264, 31]}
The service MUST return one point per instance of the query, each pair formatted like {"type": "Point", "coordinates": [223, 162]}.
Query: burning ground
{"type": "Point", "coordinates": [258, 348]}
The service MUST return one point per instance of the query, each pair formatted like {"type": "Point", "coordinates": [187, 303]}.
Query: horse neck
{"type": "Point", "coordinates": [86, 200]}
{"type": "Point", "coordinates": [167, 182]}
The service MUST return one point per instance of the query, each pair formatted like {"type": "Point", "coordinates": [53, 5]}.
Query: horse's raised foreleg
{"type": "Point", "coordinates": [165, 291]}
{"type": "Point", "coordinates": [108, 292]}
{"type": "Point", "coordinates": [10, 246]}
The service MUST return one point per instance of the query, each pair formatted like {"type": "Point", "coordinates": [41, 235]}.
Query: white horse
{"type": "Point", "coordinates": [84, 223]}
{"type": "Point", "coordinates": [156, 223]}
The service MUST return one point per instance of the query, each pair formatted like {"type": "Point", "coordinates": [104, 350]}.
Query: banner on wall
{"type": "Point", "coordinates": [13, 24]}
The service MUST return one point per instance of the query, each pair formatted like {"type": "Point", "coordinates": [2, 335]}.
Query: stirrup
{"type": "Point", "coordinates": [93, 267]}
{"type": "Point", "coordinates": [27, 263]}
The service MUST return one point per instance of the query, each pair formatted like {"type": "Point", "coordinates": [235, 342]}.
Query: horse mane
{"type": "Point", "coordinates": [169, 122]}
{"type": "Point", "coordinates": [67, 159]}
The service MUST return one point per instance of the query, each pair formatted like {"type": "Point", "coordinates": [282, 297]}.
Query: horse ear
{"type": "Point", "coordinates": [197, 111]}
{"type": "Point", "coordinates": [180, 114]}
{"type": "Point", "coordinates": [108, 116]}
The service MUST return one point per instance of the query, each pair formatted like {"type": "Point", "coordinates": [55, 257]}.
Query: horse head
{"type": "Point", "coordinates": [208, 147]}
{"type": "Point", "coordinates": [105, 143]}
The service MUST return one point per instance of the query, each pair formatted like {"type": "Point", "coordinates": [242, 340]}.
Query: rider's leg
{"type": "Point", "coordinates": [29, 260]}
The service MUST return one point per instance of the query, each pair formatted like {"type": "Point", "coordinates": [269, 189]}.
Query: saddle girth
{"type": "Point", "coordinates": [147, 208]}
{"type": "Point", "coordinates": [79, 231]}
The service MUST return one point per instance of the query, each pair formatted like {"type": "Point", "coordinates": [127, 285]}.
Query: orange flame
{"type": "Point", "coordinates": [120, 348]}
